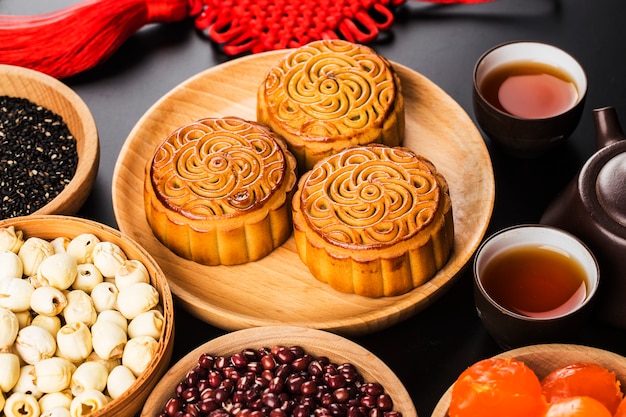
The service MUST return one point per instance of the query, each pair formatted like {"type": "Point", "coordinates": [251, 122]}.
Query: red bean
{"type": "Point", "coordinates": [283, 370]}
{"type": "Point", "coordinates": [220, 362]}
{"type": "Point", "coordinates": [190, 394]}
{"type": "Point", "coordinates": [271, 400]}
{"type": "Point", "coordinates": [268, 362]}
{"type": "Point", "coordinates": [284, 355]}
{"type": "Point", "coordinates": [372, 388]}
{"type": "Point", "coordinates": [277, 412]}
{"type": "Point", "coordinates": [221, 395]}
{"type": "Point", "coordinates": [276, 385]}
{"type": "Point", "coordinates": [206, 361]}
{"type": "Point", "coordinates": [215, 378]}
{"type": "Point", "coordinates": [336, 381]}
{"type": "Point", "coordinates": [384, 402]}
{"type": "Point", "coordinates": [207, 405]}
{"type": "Point", "coordinates": [341, 395]}
{"type": "Point", "coordinates": [180, 387]}
{"type": "Point", "coordinates": [239, 360]}
{"type": "Point", "coordinates": [301, 411]}
{"type": "Point", "coordinates": [315, 367]}
{"type": "Point", "coordinates": [368, 401]}
{"type": "Point", "coordinates": [172, 406]}
{"type": "Point", "coordinates": [192, 410]}
{"type": "Point", "coordinates": [301, 363]}
{"type": "Point", "coordinates": [308, 388]}
{"type": "Point", "coordinates": [255, 367]}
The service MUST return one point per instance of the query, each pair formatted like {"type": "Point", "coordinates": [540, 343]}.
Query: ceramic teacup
{"type": "Point", "coordinates": [528, 97]}
{"type": "Point", "coordinates": [534, 284]}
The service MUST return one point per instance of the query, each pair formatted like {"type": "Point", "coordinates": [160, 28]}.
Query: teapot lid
{"type": "Point", "coordinates": [611, 187]}
{"type": "Point", "coordinates": [602, 183]}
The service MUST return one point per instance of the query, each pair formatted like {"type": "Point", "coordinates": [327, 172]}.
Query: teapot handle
{"type": "Point", "coordinates": [608, 128]}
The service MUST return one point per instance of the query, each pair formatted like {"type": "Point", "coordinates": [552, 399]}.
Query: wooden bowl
{"type": "Point", "coordinates": [543, 359]}
{"type": "Point", "coordinates": [314, 342]}
{"type": "Point", "coordinates": [62, 100]}
{"type": "Point", "coordinates": [52, 226]}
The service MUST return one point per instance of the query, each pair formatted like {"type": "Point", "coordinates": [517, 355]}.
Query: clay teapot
{"type": "Point", "coordinates": [593, 208]}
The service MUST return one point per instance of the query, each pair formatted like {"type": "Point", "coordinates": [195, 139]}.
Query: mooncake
{"type": "Point", "coordinates": [329, 95]}
{"type": "Point", "coordinates": [373, 220]}
{"type": "Point", "coordinates": [218, 191]}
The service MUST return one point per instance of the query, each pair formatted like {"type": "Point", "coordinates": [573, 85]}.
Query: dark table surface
{"type": "Point", "coordinates": [429, 350]}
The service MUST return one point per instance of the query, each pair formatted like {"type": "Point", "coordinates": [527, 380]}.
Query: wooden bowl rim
{"type": "Point", "coordinates": [88, 146]}
{"type": "Point", "coordinates": [314, 341]}
{"type": "Point", "coordinates": [150, 376]}
{"type": "Point", "coordinates": [603, 357]}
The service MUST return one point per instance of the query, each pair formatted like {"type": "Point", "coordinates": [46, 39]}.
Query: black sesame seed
{"type": "Point", "coordinates": [38, 156]}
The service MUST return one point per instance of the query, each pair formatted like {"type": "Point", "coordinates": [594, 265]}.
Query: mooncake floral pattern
{"type": "Point", "coordinates": [329, 89]}
{"type": "Point", "coordinates": [370, 196]}
{"type": "Point", "coordinates": [217, 167]}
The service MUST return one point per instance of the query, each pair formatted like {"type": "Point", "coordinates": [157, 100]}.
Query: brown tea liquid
{"type": "Point", "coordinates": [535, 281]}
{"type": "Point", "coordinates": [529, 90]}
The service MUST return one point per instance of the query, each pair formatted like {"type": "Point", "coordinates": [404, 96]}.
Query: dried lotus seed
{"type": "Point", "coordinates": [59, 270]}
{"type": "Point", "coordinates": [131, 272]}
{"type": "Point", "coordinates": [47, 301]}
{"type": "Point", "coordinates": [21, 405]}
{"type": "Point", "coordinates": [15, 294]}
{"type": "Point", "coordinates": [88, 276]}
{"type": "Point", "coordinates": [108, 258]}
{"type": "Point", "coordinates": [60, 244]}
{"type": "Point", "coordinates": [33, 252]}
{"type": "Point", "coordinates": [81, 247]}
{"type": "Point", "coordinates": [10, 265]}
{"type": "Point", "coordinates": [34, 344]}
{"type": "Point", "coordinates": [26, 382]}
{"type": "Point", "coordinates": [79, 308]}
{"type": "Point", "coordinates": [9, 326]}
{"type": "Point", "coordinates": [104, 296]}
{"type": "Point", "coordinates": [11, 239]}
{"type": "Point", "coordinates": [51, 323]}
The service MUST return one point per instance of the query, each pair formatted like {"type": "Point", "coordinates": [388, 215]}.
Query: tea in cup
{"type": "Point", "coordinates": [534, 284]}
{"type": "Point", "coordinates": [528, 97]}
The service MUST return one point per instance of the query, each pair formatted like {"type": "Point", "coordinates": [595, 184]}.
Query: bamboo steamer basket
{"type": "Point", "coordinates": [49, 227]}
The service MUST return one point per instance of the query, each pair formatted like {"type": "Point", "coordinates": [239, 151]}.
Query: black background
{"type": "Point", "coordinates": [428, 351]}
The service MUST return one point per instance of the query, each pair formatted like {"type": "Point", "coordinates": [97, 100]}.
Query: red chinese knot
{"type": "Point", "coordinates": [257, 26]}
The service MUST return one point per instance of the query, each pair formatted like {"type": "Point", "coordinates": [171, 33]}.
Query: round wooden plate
{"type": "Point", "coordinates": [543, 359]}
{"type": "Point", "coordinates": [278, 289]}
{"type": "Point", "coordinates": [315, 342]}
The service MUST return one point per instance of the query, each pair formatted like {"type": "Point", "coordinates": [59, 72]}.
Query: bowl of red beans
{"type": "Point", "coordinates": [278, 371]}
{"type": "Point", "coordinates": [49, 145]}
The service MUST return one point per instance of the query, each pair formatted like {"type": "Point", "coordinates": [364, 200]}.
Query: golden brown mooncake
{"type": "Point", "coordinates": [218, 191]}
{"type": "Point", "coordinates": [373, 220]}
{"type": "Point", "coordinates": [329, 95]}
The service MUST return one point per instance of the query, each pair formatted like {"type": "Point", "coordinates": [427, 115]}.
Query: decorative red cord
{"type": "Point", "coordinates": [74, 39]}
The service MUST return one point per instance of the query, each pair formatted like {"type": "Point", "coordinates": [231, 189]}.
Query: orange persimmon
{"type": "Point", "coordinates": [621, 409]}
{"type": "Point", "coordinates": [583, 379]}
{"type": "Point", "coordinates": [497, 387]}
{"type": "Point", "coordinates": [577, 406]}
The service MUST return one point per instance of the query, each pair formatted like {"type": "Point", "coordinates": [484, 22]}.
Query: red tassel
{"type": "Point", "coordinates": [79, 37]}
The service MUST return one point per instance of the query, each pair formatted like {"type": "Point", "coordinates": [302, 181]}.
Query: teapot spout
{"type": "Point", "coordinates": [607, 125]}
